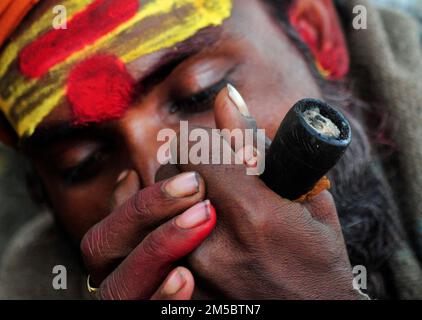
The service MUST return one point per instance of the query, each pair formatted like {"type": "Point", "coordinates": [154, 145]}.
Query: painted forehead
{"type": "Point", "coordinates": [86, 63]}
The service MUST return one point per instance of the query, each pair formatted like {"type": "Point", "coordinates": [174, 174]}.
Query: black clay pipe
{"type": "Point", "coordinates": [309, 142]}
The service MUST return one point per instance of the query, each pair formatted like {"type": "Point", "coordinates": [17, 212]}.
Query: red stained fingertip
{"type": "Point", "coordinates": [198, 233]}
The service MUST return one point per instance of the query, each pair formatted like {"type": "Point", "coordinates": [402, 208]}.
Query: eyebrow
{"type": "Point", "coordinates": [47, 135]}
{"type": "Point", "coordinates": [61, 131]}
{"type": "Point", "coordinates": [201, 41]}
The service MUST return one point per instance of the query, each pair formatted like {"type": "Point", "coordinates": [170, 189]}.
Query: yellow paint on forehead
{"type": "Point", "coordinates": [27, 125]}
{"type": "Point", "coordinates": [198, 14]}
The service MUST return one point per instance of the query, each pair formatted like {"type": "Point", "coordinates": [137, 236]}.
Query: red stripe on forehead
{"type": "Point", "coordinates": [87, 26]}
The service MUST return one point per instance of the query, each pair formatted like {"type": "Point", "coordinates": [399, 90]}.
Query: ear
{"type": "Point", "coordinates": [318, 25]}
{"type": "Point", "coordinates": [8, 135]}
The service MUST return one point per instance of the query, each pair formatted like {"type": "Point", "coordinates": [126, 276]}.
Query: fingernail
{"type": "Point", "coordinates": [238, 101]}
{"type": "Point", "coordinates": [252, 163]}
{"type": "Point", "coordinates": [183, 185]}
{"type": "Point", "coordinates": [194, 216]}
{"type": "Point", "coordinates": [251, 157]}
{"type": "Point", "coordinates": [122, 176]}
{"type": "Point", "coordinates": [174, 284]}
{"type": "Point", "coordinates": [248, 156]}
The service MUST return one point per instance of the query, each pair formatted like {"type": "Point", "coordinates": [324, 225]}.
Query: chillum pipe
{"type": "Point", "coordinates": [300, 155]}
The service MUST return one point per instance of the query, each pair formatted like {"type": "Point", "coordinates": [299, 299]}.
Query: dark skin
{"type": "Point", "coordinates": [101, 181]}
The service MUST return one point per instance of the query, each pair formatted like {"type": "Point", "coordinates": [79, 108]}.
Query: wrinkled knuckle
{"type": "Point", "coordinates": [264, 218]}
{"type": "Point", "coordinates": [249, 219]}
{"type": "Point", "coordinates": [257, 222]}
{"type": "Point", "coordinates": [140, 206]}
{"type": "Point", "coordinates": [112, 289]}
{"type": "Point", "coordinates": [240, 207]}
{"type": "Point", "coordinates": [90, 246]}
{"type": "Point", "coordinates": [96, 247]}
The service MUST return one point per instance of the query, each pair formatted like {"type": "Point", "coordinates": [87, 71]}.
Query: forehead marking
{"type": "Point", "coordinates": [27, 98]}
{"type": "Point", "coordinates": [55, 46]}
{"type": "Point", "coordinates": [99, 89]}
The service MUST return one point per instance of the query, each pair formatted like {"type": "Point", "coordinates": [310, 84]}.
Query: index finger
{"type": "Point", "coordinates": [141, 273]}
{"type": "Point", "coordinates": [118, 234]}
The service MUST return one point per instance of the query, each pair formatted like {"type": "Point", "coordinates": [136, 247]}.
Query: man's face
{"type": "Point", "coordinates": [79, 165]}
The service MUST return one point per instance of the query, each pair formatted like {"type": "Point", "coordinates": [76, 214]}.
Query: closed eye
{"type": "Point", "coordinates": [86, 169]}
{"type": "Point", "coordinates": [199, 102]}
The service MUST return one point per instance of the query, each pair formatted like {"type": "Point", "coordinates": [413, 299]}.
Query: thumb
{"type": "Point", "coordinates": [231, 113]}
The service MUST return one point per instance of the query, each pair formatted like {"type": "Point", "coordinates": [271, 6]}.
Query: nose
{"type": "Point", "coordinates": [139, 127]}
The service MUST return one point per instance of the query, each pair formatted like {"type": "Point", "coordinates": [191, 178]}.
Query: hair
{"type": "Point", "coordinates": [364, 200]}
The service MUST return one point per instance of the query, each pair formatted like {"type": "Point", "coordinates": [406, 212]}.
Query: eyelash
{"type": "Point", "coordinates": [87, 169]}
{"type": "Point", "coordinates": [198, 102]}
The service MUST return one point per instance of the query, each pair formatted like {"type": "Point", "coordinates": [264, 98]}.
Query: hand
{"type": "Point", "coordinates": [266, 247]}
{"type": "Point", "coordinates": [130, 252]}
